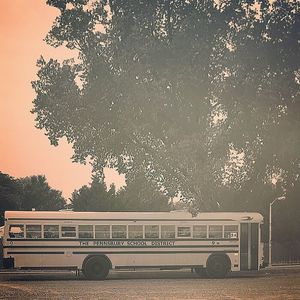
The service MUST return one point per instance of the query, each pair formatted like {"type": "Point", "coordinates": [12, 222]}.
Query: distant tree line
{"type": "Point", "coordinates": [34, 192]}
{"type": "Point", "coordinates": [137, 196]}
{"type": "Point", "coordinates": [28, 193]}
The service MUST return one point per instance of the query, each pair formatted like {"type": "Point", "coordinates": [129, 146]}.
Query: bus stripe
{"type": "Point", "coordinates": [152, 252]}
{"type": "Point", "coordinates": [127, 247]}
{"type": "Point", "coordinates": [124, 252]}
{"type": "Point", "coordinates": [30, 252]}
{"type": "Point", "coordinates": [125, 220]}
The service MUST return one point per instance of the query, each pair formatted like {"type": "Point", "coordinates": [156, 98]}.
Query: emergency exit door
{"type": "Point", "coordinates": [249, 245]}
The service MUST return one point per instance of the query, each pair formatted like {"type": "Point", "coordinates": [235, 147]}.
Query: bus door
{"type": "Point", "coordinates": [249, 245]}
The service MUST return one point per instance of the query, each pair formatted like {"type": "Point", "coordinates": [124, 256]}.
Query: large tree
{"type": "Point", "coordinates": [192, 94]}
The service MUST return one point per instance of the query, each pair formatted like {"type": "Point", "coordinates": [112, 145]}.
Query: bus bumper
{"type": "Point", "coordinates": [8, 263]}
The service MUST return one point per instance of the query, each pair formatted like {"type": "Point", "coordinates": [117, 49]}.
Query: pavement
{"type": "Point", "coordinates": [16, 273]}
{"type": "Point", "coordinates": [276, 283]}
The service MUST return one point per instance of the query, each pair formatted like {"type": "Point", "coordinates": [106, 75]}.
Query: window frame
{"type": "Point", "coordinates": [184, 237]}
{"type": "Point", "coordinates": [86, 238]}
{"type": "Point", "coordinates": [103, 238]}
{"type": "Point", "coordinates": [50, 231]}
{"type": "Point", "coordinates": [215, 238]}
{"type": "Point", "coordinates": [152, 238]}
{"type": "Point", "coordinates": [206, 231]}
{"type": "Point", "coordinates": [135, 238]}
{"type": "Point", "coordinates": [167, 238]}
{"type": "Point", "coordinates": [15, 225]}
{"type": "Point", "coordinates": [119, 238]}
{"type": "Point", "coordinates": [237, 231]}
{"type": "Point", "coordinates": [68, 237]}
{"type": "Point", "coordinates": [34, 238]}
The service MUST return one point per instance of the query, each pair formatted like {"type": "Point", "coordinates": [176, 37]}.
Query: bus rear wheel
{"type": "Point", "coordinates": [96, 268]}
{"type": "Point", "coordinates": [217, 266]}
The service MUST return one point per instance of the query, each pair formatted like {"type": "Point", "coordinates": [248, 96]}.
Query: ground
{"type": "Point", "coordinates": [267, 284]}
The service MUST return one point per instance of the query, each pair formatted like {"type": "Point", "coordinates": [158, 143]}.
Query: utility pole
{"type": "Point", "coordinates": [270, 228]}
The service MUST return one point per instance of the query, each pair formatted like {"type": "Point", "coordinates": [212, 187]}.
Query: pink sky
{"type": "Point", "coordinates": [25, 150]}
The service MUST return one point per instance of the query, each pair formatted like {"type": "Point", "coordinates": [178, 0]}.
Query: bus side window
{"type": "Point", "coordinates": [119, 231]}
{"type": "Point", "coordinates": [102, 231]}
{"type": "Point", "coordinates": [230, 231]}
{"type": "Point", "coordinates": [33, 231]}
{"type": "Point", "coordinates": [16, 231]}
{"type": "Point", "coordinates": [151, 231]}
{"type": "Point", "coordinates": [167, 231]}
{"type": "Point", "coordinates": [135, 231]}
{"type": "Point", "coordinates": [51, 231]}
{"type": "Point", "coordinates": [68, 231]}
{"type": "Point", "coordinates": [215, 231]}
{"type": "Point", "coordinates": [183, 231]}
{"type": "Point", "coordinates": [85, 231]}
{"type": "Point", "coordinates": [199, 231]}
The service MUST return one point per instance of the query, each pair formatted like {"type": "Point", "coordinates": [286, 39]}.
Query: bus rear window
{"type": "Point", "coordinates": [16, 231]}
{"type": "Point", "coordinates": [68, 231]}
{"type": "Point", "coordinates": [51, 231]}
{"type": "Point", "coordinates": [33, 231]}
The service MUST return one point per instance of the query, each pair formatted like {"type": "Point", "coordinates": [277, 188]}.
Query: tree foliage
{"type": "Point", "coordinates": [9, 194]}
{"type": "Point", "coordinates": [136, 196]}
{"type": "Point", "coordinates": [94, 198]}
{"type": "Point", "coordinates": [197, 96]}
{"type": "Point", "coordinates": [141, 195]}
{"type": "Point", "coordinates": [27, 193]}
{"type": "Point", "coordinates": [37, 194]}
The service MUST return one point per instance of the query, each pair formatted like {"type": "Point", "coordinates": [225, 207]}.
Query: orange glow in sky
{"type": "Point", "coordinates": [25, 150]}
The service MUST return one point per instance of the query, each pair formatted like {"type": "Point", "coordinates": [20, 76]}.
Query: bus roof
{"type": "Point", "coordinates": [174, 215]}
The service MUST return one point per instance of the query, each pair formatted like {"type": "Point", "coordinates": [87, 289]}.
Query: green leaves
{"type": "Point", "coordinates": [138, 195]}
{"type": "Point", "coordinates": [168, 88]}
{"type": "Point", "coordinates": [27, 193]}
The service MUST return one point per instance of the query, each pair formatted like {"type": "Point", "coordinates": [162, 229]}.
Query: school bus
{"type": "Point", "coordinates": [211, 243]}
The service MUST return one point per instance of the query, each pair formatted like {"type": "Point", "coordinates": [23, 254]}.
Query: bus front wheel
{"type": "Point", "coordinates": [217, 266]}
{"type": "Point", "coordinates": [96, 268]}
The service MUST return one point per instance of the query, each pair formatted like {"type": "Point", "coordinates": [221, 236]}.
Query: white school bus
{"type": "Point", "coordinates": [211, 244]}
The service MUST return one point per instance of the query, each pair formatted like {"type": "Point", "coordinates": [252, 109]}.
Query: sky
{"type": "Point", "coordinates": [25, 150]}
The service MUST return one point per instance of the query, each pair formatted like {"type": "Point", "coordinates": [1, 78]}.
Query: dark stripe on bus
{"type": "Point", "coordinates": [127, 247]}
{"type": "Point", "coordinates": [165, 267]}
{"type": "Point", "coordinates": [153, 252]}
{"type": "Point", "coordinates": [121, 220]}
{"type": "Point", "coordinates": [30, 252]}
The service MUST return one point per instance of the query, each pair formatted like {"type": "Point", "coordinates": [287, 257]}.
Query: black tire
{"type": "Point", "coordinates": [96, 268]}
{"type": "Point", "coordinates": [217, 266]}
{"type": "Point", "coordinates": [200, 272]}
